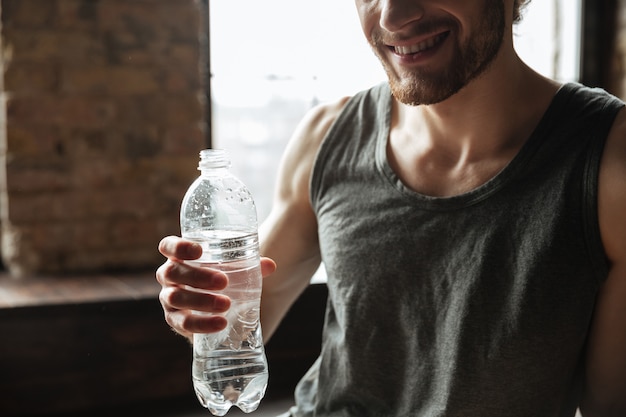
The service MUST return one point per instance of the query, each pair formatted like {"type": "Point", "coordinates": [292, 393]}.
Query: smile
{"type": "Point", "coordinates": [421, 46]}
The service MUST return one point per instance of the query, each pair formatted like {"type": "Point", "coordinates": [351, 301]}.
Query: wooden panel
{"type": "Point", "coordinates": [84, 357]}
{"type": "Point", "coordinates": [297, 342]}
{"type": "Point", "coordinates": [63, 358]}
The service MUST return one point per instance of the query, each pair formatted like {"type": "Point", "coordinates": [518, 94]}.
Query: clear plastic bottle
{"type": "Point", "coordinates": [229, 367]}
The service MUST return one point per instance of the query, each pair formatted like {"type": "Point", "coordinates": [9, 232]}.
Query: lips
{"type": "Point", "coordinates": [420, 46]}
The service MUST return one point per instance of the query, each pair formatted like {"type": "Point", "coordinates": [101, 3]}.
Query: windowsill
{"type": "Point", "coordinates": [88, 288]}
{"type": "Point", "coordinates": [79, 289]}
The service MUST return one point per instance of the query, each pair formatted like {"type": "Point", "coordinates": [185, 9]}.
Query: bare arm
{"type": "Point", "coordinates": [605, 393]}
{"type": "Point", "coordinates": [289, 235]}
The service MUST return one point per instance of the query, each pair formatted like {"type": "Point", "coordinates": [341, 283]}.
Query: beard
{"type": "Point", "coordinates": [431, 86]}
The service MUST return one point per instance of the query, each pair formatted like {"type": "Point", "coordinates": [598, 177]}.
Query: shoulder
{"type": "Point", "coordinates": [299, 156]}
{"type": "Point", "coordinates": [311, 131]}
{"type": "Point", "coordinates": [313, 128]}
{"type": "Point", "coordinates": [612, 191]}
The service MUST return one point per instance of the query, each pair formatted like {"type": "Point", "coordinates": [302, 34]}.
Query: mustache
{"type": "Point", "coordinates": [419, 29]}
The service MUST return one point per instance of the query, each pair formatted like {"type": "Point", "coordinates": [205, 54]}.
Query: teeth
{"type": "Point", "coordinates": [428, 43]}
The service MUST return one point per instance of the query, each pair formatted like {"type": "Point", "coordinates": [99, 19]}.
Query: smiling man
{"type": "Point", "coordinates": [406, 52]}
{"type": "Point", "coordinates": [470, 216]}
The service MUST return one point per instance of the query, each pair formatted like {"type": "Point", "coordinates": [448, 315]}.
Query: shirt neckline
{"type": "Point", "coordinates": [484, 190]}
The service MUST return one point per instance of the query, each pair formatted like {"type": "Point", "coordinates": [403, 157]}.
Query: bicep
{"type": "Point", "coordinates": [289, 235]}
{"type": "Point", "coordinates": [606, 354]}
{"type": "Point", "coordinates": [605, 393]}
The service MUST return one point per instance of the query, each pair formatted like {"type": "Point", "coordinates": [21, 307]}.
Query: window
{"type": "Point", "coordinates": [549, 38]}
{"type": "Point", "coordinates": [268, 70]}
{"type": "Point", "coordinates": [274, 61]}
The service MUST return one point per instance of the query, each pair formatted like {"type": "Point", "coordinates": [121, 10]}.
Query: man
{"type": "Point", "coordinates": [470, 215]}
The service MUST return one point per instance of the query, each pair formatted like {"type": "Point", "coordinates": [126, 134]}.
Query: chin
{"type": "Point", "coordinates": [415, 93]}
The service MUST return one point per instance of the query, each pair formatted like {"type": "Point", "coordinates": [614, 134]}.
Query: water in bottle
{"type": "Point", "coordinates": [229, 367]}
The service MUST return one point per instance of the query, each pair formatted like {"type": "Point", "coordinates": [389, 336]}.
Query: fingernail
{"type": "Point", "coordinates": [193, 250]}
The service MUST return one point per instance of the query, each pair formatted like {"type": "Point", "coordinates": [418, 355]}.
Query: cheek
{"type": "Point", "coordinates": [368, 16]}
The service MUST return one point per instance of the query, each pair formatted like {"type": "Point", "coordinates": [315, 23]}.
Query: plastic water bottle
{"type": "Point", "coordinates": [218, 212]}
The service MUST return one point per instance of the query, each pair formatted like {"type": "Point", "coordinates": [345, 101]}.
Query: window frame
{"type": "Point", "coordinates": [597, 45]}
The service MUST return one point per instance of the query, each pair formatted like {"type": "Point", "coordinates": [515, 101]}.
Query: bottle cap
{"type": "Point", "coordinates": [213, 158]}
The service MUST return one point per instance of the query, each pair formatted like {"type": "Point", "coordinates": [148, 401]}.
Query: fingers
{"type": "Point", "coordinates": [177, 298]}
{"type": "Point", "coordinates": [186, 323]}
{"type": "Point", "coordinates": [175, 247]}
{"type": "Point", "coordinates": [189, 291]}
{"type": "Point", "coordinates": [181, 306]}
{"type": "Point", "coordinates": [180, 302]}
{"type": "Point", "coordinates": [268, 266]}
{"type": "Point", "coordinates": [178, 273]}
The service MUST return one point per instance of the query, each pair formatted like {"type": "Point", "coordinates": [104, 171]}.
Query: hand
{"type": "Point", "coordinates": [179, 301]}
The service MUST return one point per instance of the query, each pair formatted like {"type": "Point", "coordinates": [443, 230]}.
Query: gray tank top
{"type": "Point", "coordinates": [472, 305]}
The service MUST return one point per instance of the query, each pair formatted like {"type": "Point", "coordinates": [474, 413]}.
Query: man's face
{"type": "Point", "coordinates": [432, 49]}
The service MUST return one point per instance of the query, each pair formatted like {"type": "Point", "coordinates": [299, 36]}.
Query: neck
{"type": "Point", "coordinates": [453, 146]}
{"type": "Point", "coordinates": [497, 110]}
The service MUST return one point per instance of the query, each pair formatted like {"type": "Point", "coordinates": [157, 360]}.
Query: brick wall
{"type": "Point", "coordinates": [102, 121]}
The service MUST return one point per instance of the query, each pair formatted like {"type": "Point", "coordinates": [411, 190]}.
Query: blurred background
{"type": "Point", "coordinates": [104, 106]}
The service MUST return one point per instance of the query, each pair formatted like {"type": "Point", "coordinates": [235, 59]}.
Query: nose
{"type": "Point", "coordinates": [395, 14]}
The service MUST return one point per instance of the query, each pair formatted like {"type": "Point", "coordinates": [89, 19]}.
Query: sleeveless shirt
{"type": "Point", "coordinates": [476, 305]}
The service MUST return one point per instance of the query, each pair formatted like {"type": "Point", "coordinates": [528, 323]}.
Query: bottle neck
{"type": "Point", "coordinates": [213, 159]}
